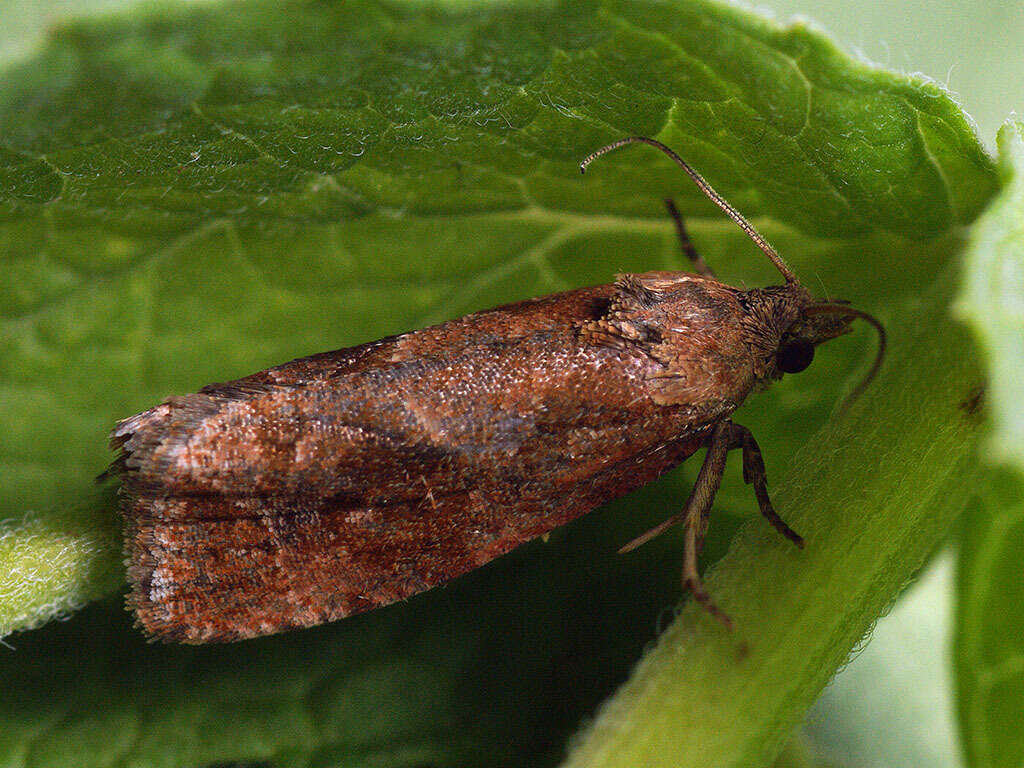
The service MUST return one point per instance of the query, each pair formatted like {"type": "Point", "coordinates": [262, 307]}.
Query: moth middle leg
{"type": "Point", "coordinates": [689, 251]}
{"type": "Point", "coordinates": [725, 437]}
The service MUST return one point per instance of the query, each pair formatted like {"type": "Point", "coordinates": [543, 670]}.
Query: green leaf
{"type": "Point", "coordinates": [992, 300]}
{"type": "Point", "coordinates": [989, 626]}
{"type": "Point", "coordinates": [990, 623]}
{"type": "Point", "coordinates": [190, 196]}
{"type": "Point", "coordinates": [188, 202]}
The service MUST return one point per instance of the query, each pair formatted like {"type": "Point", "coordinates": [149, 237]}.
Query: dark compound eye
{"type": "Point", "coordinates": [795, 356]}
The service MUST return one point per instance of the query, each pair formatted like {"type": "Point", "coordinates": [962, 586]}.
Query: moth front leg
{"type": "Point", "coordinates": [754, 474]}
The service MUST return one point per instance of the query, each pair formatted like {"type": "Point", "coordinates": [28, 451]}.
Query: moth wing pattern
{"type": "Point", "coordinates": [345, 481]}
{"type": "Point", "coordinates": [205, 570]}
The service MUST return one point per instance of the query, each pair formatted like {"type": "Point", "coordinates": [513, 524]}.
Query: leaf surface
{"type": "Point", "coordinates": [192, 195]}
{"type": "Point", "coordinates": [990, 620]}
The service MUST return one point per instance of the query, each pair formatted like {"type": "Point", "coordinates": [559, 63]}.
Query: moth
{"type": "Point", "coordinates": [348, 480]}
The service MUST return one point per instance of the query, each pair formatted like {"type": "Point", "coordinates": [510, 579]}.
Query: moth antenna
{"type": "Point", "coordinates": [708, 190]}
{"type": "Point", "coordinates": [842, 309]}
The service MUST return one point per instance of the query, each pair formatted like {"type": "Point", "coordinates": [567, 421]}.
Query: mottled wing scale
{"type": "Point", "coordinates": [349, 480]}
{"type": "Point", "coordinates": [209, 569]}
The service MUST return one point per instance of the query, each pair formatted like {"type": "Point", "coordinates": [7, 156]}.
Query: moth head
{"type": "Point", "coordinates": [787, 324]}
{"type": "Point", "coordinates": [795, 350]}
{"type": "Point", "coordinates": [816, 323]}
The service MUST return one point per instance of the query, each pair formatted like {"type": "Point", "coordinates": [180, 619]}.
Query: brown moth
{"type": "Point", "coordinates": [348, 480]}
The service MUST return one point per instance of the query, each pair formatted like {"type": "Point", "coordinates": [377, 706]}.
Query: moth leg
{"type": "Point", "coordinates": [754, 474]}
{"type": "Point", "coordinates": [696, 513]}
{"type": "Point", "coordinates": [694, 517]}
{"type": "Point", "coordinates": [691, 576]}
{"type": "Point", "coordinates": [703, 493]}
{"type": "Point", "coordinates": [695, 258]}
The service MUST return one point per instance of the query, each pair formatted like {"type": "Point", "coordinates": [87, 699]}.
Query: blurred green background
{"type": "Point", "coordinates": [892, 706]}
